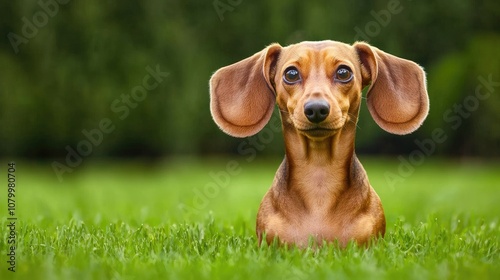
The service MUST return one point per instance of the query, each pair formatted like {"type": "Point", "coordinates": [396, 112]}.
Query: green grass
{"type": "Point", "coordinates": [113, 220]}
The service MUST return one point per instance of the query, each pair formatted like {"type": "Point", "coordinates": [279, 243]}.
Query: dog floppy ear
{"type": "Point", "coordinates": [397, 98]}
{"type": "Point", "coordinates": [242, 97]}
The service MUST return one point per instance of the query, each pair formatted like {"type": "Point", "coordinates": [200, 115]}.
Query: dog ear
{"type": "Point", "coordinates": [397, 98]}
{"type": "Point", "coordinates": [242, 96]}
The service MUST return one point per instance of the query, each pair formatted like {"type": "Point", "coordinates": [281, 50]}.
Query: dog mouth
{"type": "Point", "coordinates": [320, 130]}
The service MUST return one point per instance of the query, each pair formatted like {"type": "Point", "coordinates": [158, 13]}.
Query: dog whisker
{"type": "Point", "coordinates": [351, 119]}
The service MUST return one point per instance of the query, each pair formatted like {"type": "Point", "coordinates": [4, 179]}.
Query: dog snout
{"type": "Point", "coordinates": [316, 111]}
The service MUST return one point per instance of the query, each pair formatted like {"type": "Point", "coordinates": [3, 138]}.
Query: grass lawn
{"type": "Point", "coordinates": [187, 219]}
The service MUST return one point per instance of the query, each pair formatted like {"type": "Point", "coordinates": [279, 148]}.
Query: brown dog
{"type": "Point", "coordinates": [321, 189]}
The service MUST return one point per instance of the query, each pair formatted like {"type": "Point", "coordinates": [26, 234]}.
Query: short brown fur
{"type": "Point", "coordinates": [321, 190]}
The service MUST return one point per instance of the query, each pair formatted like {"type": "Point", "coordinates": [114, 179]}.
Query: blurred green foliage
{"type": "Point", "coordinates": [64, 63]}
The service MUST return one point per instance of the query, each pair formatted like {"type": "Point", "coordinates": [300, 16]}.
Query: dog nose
{"type": "Point", "coordinates": [316, 111]}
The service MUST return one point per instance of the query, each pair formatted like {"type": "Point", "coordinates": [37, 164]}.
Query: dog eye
{"type": "Point", "coordinates": [343, 74]}
{"type": "Point", "coordinates": [291, 75]}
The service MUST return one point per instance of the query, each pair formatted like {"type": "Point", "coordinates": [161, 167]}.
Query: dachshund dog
{"type": "Point", "coordinates": [320, 190]}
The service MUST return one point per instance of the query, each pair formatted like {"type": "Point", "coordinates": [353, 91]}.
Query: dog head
{"type": "Point", "coordinates": [317, 86]}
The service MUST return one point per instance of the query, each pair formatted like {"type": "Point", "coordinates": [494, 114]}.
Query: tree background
{"type": "Point", "coordinates": [84, 55]}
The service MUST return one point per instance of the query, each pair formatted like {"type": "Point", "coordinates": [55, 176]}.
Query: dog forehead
{"type": "Point", "coordinates": [319, 45]}
{"type": "Point", "coordinates": [319, 50]}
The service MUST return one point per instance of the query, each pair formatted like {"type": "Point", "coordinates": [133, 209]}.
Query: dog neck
{"type": "Point", "coordinates": [319, 171]}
